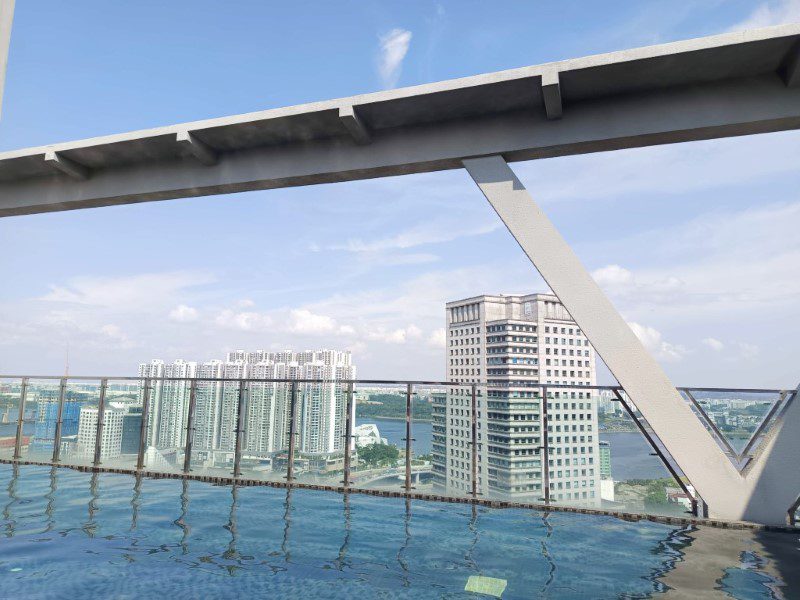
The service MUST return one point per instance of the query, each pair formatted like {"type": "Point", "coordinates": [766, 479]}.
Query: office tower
{"type": "Point", "coordinates": [111, 438]}
{"type": "Point", "coordinates": [510, 345]}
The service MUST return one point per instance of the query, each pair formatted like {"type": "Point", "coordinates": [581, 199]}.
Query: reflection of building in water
{"type": "Point", "coordinates": [515, 344]}
{"type": "Point", "coordinates": [367, 434]}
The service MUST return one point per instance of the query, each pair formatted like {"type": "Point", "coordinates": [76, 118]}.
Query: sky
{"type": "Point", "coordinates": [696, 244]}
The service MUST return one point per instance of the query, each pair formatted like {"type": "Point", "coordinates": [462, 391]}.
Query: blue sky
{"type": "Point", "coordinates": [695, 243]}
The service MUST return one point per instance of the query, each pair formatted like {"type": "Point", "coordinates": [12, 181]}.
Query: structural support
{"type": "Point", "coordinates": [791, 67]}
{"type": "Point", "coordinates": [544, 448]}
{"type": "Point", "coordinates": [551, 94]}
{"type": "Point", "coordinates": [101, 421]}
{"type": "Point", "coordinates": [143, 429]}
{"type": "Point", "coordinates": [23, 394]}
{"type": "Point", "coordinates": [729, 494]}
{"type": "Point", "coordinates": [408, 439]}
{"type": "Point", "coordinates": [348, 434]}
{"type": "Point", "coordinates": [62, 392]}
{"type": "Point", "coordinates": [473, 417]}
{"type": "Point", "coordinates": [69, 167]}
{"type": "Point", "coordinates": [187, 456]}
{"type": "Point", "coordinates": [292, 432]}
{"type": "Point", "coordinates": [192, 146]}
{"type": "Point", "coordinates": [6, 18]}
{"type": "Point", "coordinates": [355, 124]}
{"type": "Point", "coordinates": [240, 410]}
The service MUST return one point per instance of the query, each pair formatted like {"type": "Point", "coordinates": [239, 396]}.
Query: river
{"type": "Point", "coordinates": [630, 453]}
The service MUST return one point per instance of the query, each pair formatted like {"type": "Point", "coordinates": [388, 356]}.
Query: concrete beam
{"type": "Point", "coordinates": [192, 146]}
{"type": "Point", "coordinates": [721, 109]}
{"type": "Point", "coordinates": [67, 166]}
{"type": "Point", "coordinates": [551, 94]}
{"type": "Point", "coordinates": [765, 493]}
{"type": "Point", "coordinates": [355, 124]}
{"type": "Point", "coordinates": [6, 19]}
{"type": "Point", "coordinates": [790, 70]}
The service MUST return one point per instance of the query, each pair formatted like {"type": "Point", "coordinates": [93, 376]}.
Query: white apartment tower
{"type": "Point", "coordinates": [320, 407]}
{"type": "Point", "coordinates": [510, 346]}
{"type": "Point", "coordinates": [111, 439]}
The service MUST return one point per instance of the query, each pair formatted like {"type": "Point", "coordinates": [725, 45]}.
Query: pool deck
{"type": "Point", "coordinates": [492, 503]}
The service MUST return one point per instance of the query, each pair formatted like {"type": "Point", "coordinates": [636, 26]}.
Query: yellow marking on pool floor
{"type": "Point", "coordinates": [486, 585]}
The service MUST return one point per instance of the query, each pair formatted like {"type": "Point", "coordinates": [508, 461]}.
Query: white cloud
{"type": "Point", "coordinates": [775, 12]}
{"type": "Point", "coordinates": [244, 321]}
{"type": "Point", "coordinates": [748, 350]}
{"type": "Point", "coordinates": [714, 344]}
{"type": "Point", "coordinates": [305, 322]}
{"type": "Point", "coordinates": [395, 336]}
{"type": "Point", "coordinates": [652, 340]}
{"type": "Point", "coordinates": [612, 275]}
{"type": "Point", "coordinates": [438, 338]}
{"type": "Point", "coordinates": [184, 314]}
{"type": "Point", "coordinates": [393, 49]}
{"type": "Point", "coordinates": [429, 232]}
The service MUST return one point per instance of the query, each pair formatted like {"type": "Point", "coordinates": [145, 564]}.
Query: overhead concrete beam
{"type": "Point", "coordinates": [551, 94]}
{"type": "Point", "coordinates": [194, 147]}
{"type": "Point", "coordinates": [355, 124]}
{"type": "Point", "coordinates": [791, 67]}
{"type": "Point", "coordinates": [6, 19]}
{"type": "Point", "coordinates": [67, 166]}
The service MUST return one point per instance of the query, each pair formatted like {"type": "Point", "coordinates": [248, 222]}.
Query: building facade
{"type": "Point", "coordinates": [510, 346]}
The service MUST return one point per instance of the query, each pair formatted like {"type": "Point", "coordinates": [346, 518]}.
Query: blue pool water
{"type": "Point", "coordinates": [75, 535]}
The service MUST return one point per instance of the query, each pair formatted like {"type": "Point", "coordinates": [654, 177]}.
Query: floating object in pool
{"type": "Point", "coordinates": [16, 569]}
{"type": "Point", "coordinates": [486, 585]}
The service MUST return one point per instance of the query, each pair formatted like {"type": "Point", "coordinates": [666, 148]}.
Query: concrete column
{"type": "Point", "coordinates": [718, 482]}
{"type": "Point", "coordinates": [6, 17]}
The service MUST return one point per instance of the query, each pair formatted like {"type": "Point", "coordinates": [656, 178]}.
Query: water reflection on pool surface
{"type": "Point", "coordinates": [71, 534]}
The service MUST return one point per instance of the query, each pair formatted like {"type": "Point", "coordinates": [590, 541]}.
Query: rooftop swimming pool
{"type": "Point", "coordinates": [79, 535]}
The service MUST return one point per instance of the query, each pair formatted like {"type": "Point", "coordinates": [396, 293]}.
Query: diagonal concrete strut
{"type": "Point", "coordinates": [727, 492]}
{"type": "Point", "coordinates": [6, 17]}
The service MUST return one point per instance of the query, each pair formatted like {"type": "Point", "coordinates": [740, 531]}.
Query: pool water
{"type": "Point", "coordinates": [77, 535]}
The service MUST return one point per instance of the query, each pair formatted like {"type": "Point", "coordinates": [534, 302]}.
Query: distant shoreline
{"type": "Point", "coordinates": [395, 419]}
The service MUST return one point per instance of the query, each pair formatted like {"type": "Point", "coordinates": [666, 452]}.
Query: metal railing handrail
{"type": "Point", "coordinates": [610, 388]}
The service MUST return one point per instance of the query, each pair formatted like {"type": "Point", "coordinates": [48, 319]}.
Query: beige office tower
{"type": "Point", "coordinates": [509, 346]}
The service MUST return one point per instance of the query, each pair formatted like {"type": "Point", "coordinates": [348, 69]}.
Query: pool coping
{"type": "Point", "coordinates": [491, 503]}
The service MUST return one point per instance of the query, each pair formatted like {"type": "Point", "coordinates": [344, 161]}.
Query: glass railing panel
{"type": "Point", "coordinates": [321, 433]}
{"type": "Point", "coordinates": [736, 418]}
{"type": "Point", "coordinates": [424, 399]}
{"type": "Point", "coordinates": [511, 443]}
{"type": "Point", "coordinates": [266, 424]}
{"type": "Point", "coordinates": [11, 391]}
{"type": "Point", "coordinates": [166, 423]}
{"type": "Point", "coordinates": [79, 418]}
{"type": "Point", "coordinates": [122, 424]}
{"type": "Point", "coordinates": [631, 475]}
{"type": "Point", "coordinates": [216, 412]}
{"type": "Point", "coordinates": [41, 409]}
{"type": "Point", "coordinates": [379, 436]}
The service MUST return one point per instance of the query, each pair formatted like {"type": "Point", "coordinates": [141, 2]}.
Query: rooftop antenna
{"type": "Point", "coordinates": [66, 362]}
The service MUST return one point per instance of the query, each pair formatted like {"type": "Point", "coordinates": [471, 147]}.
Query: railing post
{"type": "Point", "coordinates": [545, 446]}
{"type": "Point", "coordinates": [348, 433]}
{"type": "Point", "coordinates": [240, 409]}
{"type": "Point", "coordinates": [187, 458]}
{"type": "Point", "coordinates": [23, 393]}
{"type": "Point", "coordinates": [408, 438]}
{"type": "Point", "coordinates": [62, 391]}
{"type": "Point", "coordinates": [101, 414]}
{"type": "Point", "coordinates": [292, 431]}
{"type": "Point", "coordinates": [474, 432]}
{"type": "Point", "coordinates": [144, 429]}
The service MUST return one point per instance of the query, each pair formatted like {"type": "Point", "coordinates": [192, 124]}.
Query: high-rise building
{"type": "Point", "coordinates": [111, 439]}
{"type": "Point", "coordinates": [509, 346]}
{"type": "Point", "coordinates": [605, 459]}
{"type": "Point", "coordinates": [320, 405]}
{"type": "Point", "coordinates": [47, 417]}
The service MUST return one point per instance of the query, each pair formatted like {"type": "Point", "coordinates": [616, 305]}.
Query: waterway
{"type": "Point", "coordinates": [630, 453]}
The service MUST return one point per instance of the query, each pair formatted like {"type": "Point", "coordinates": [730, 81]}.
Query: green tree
{"type": "Point", "coordinates": [379, 455]}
